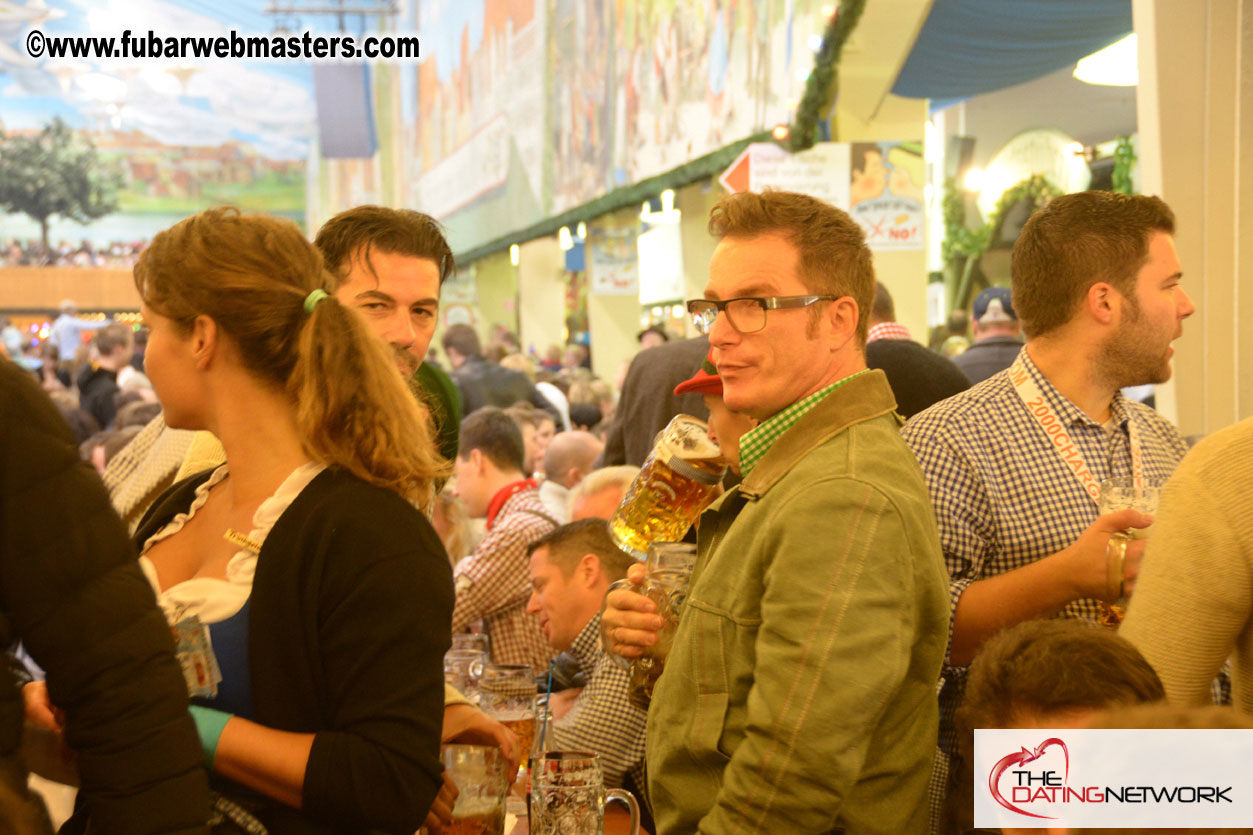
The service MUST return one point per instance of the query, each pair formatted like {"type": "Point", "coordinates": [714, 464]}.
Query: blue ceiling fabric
{"type": "Point", "coordinates": [968, 47]}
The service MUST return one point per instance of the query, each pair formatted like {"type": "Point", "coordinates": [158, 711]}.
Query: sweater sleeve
{"type": "Point", "coordinates": [384, 630]}
{"type": "Point", "coordinates": [76, 597]}
{"type": "Point", "coordinates": [1194, 594]}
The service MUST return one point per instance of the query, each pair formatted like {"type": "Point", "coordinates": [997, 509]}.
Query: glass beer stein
{"type": "Point", "coordinates": [678, 480]}
{"type": "Point", "coordinates": [568, 795]}
{"type": "Point", "coordinates": [1124, 494]}
{"type": "Point", "coordinates": [670, 567]}
{"type": "Point", "coordinates": [507, 694]}
{"type": "Point", "coordinates": [482, 777]}
{"type": "Point", "coordinates": [463, 668]}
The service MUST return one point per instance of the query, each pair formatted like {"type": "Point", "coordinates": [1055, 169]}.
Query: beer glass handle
{"type": "Point", "coordinates": [475, 669]}
{"type": "Point", "coordinates": [624, 796]}
{"type": "Point", "coordinates": [604, 632]}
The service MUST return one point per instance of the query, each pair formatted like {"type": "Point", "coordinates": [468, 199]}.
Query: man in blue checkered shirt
{"type": "Point", "coordinates": [571, 569]}
{"type": "Point", "coordinates": [1013, 463]}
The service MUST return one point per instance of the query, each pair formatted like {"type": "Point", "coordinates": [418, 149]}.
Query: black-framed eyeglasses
{"type": "Point", "coordinates": [746, 314]}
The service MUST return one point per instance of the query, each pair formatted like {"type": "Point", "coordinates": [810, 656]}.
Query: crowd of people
{"type": "Point", "coordinates": [116, 255]}
{"type": "Point", "coordinates": [279, 482]}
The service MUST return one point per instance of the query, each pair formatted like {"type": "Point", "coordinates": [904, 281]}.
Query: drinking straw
{"type": "Point", "coordinates": [548, 699]}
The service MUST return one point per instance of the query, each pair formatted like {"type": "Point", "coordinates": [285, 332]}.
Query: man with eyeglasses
{"type": "Point", "coordinates": [799, 694]}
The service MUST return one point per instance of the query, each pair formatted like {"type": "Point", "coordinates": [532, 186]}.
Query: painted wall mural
{"type": "Point", "coordinates": [182, 136]}
{"type": "Point", "coordinates": [523, 109]}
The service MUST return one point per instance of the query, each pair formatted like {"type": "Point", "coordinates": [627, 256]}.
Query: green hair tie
{"type": "Point", "coordinates": [311, 300]}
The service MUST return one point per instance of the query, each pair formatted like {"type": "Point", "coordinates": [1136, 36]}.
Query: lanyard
{"type": "Point", "coordinates": [1053, 428]}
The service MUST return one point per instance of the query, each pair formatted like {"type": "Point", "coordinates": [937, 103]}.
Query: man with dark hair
{"type": "Point", "coordinates": [97, 384]}
{"type": "Point", "coordinates": [799, 692]}
{"type": "Point", "coordinates": [1043, 674]}
{"type": "Point", "coordinates": [996, 335]}
{"type": "Point", "coordinates": [1014, 464]}
{"type": "Point", "coordinates": [919, 377]}
{"type": "Point", "coordinates": [483, 383]}
{"type": "Point", "coordinates": [571, 569]}
{"type": "Point", "coordinates": [389, 265]}
{"type": "Point", "coordinates": [493, 583]}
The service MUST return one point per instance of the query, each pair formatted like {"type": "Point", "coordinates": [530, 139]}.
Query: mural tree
{"type": "Point", "coordinates": [55, 173]}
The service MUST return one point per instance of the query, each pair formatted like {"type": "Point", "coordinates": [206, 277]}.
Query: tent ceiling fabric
{"type": "Point", "coordinates": [968, 47]}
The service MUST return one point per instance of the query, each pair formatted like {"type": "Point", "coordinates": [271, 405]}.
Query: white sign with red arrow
{"type": "Point", "coordinates": [822, 171]}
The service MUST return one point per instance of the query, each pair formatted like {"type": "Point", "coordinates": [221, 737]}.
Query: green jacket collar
{"type": "Point", "coordinates": [860, 399]}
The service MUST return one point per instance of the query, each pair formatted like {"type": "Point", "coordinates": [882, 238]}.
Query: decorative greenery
{"type": "Point", "coordinates": [963, 247]}
{"type": "Point", "coordinates": [55, 173]}
{"type": "Point", "coordinates": [1124, 163]}
{"type": "Point", "coordinates": [823, 84]}
{"type": "Point", "coordinates": [710, 165]}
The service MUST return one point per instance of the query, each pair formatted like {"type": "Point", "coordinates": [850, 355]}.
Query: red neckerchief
{"type": "Point", "coordinates": [505, 494]}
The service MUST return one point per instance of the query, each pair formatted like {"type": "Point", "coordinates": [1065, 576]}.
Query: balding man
{"type": "Point", "coordinates": [567, 461]}
{"type": "Point", "coordinates": [599, 495]}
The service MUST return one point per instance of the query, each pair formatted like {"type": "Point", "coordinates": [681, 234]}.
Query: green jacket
{"type": "Point", "coordinates": [440, 394]}
{"type": "Point", "coordinates": [800, 694]}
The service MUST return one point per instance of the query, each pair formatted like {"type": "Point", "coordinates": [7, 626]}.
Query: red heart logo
{"type": "Point", "coordinates": [1022, 758]}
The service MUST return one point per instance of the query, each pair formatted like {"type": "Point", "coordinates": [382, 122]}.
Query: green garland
{"type": "Point", "coordinates": [823, 84]}
{"type": "Point", "coordinates": [971, 244]}
{"type": "Point", "coordinates": [1124, 163]}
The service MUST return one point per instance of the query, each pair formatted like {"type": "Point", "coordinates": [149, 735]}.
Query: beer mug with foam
{"type": "Point", "coordinates": [678, 480]}
{"type": "Point", "coordinates": [507, 694]}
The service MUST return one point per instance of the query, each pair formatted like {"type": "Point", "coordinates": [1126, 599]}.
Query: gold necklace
{"type": "Point", "coordinates": [237, 539]}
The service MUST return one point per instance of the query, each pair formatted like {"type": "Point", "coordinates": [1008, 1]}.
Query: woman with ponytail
{"type": "Point", "coordinates": [326, 593]}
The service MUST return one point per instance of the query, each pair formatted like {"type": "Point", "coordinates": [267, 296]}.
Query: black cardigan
{"type": "Point", "coordinates": [348, 624]}
{"type": "Point", "coordinates": [71, 590]}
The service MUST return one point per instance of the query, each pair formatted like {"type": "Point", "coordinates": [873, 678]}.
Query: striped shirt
{"type": "Point", "coordinates": [602, 720]}
{"type": "Point", "coordinates": [1004, 498]}
{"type": "Point", "coordinates": [494, 583]}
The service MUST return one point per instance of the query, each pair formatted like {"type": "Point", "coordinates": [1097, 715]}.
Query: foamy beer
{"type": "Point", "coordinates": [676, 483]}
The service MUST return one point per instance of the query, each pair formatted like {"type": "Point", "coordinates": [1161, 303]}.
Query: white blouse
{"type": "Point", "coordinates": [210, 598]}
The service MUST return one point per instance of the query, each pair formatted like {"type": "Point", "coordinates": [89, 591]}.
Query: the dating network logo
{"type": "Point", "coordinates": [1155, 777]}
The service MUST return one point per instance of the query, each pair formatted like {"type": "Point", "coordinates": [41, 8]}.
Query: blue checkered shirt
{"type": "Point", "coordinates": [603, 719]}
{"type": "Point", "coordinates": [1004, 498]}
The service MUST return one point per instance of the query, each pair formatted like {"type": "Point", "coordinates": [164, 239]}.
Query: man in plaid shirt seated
{"type": "Point", "coordinates": [1014, 463]}
{"type": "Point", "coordinates": [493, 583]}
{"type": "Point", "coordinates": [571, 569]}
